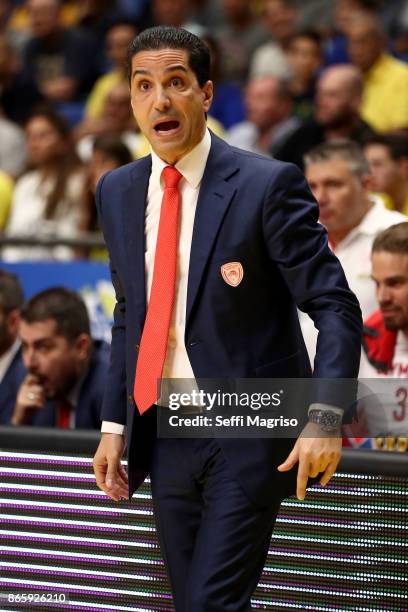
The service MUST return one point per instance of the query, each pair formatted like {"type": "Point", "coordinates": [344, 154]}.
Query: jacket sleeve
{"type": "Point", "coordinates": [114, 401]}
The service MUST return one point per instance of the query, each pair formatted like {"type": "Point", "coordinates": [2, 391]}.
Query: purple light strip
{"type": "Point", "coordinates": [65, 510]}
{"type": "Point", "coordinates": [23, 521]}
{"type": "Point", "coordinates": [78, 542]}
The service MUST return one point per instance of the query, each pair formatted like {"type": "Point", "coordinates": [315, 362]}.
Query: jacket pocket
{"type": "Point", "coordinates": [287, 367]}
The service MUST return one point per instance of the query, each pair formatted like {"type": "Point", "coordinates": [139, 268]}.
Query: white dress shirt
{"type": "Point", "coordinates": [192, 166]}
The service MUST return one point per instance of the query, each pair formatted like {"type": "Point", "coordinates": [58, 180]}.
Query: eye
{"type": "Point", "coordinates": [144, 86]}
{"type": "Point", "coordinates": [176, 82]}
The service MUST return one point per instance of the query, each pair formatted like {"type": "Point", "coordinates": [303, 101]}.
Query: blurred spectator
{"type": "Point", "coordinates": [238, 38]}
{"type": "Point", "coordinates": [6, 197]}
{"type": "Point", "coordinates": [385, 94]}
{"type": "Point", "coordinates": [118, 38]}
{"type": "Point", "coordinates": [269, 119]}
{"type": "Point", "coordinates": [344, 12]}
{"type": "Point", "coordinates": [109, 152]}
{"type": "Point", "coordinates": [280, 19]}
{"type": "Point", "coordinates": [18, 92]}
{"type": "Point", "coordinates": [64, 62]}
{"type": "Point", "coordinates": [339, 178]}
{"type": "Point", "coordinates": [17, 38]}
{"type": "Point", "coordinates": [12, 148]}
{"type": "Point", "coordinates": [45, 202]}
{"type": "Point", "coordinates": [175, 13]}
{"type": "Point", "coordinates": [385, 339]}
{"type": "Point", "coordinates": [304, 54]}
{"type": "Point", "coordinates": [336, 115]}
{"type": "Point", "coordinates": [12, 370]}
{"type": "Point", "coordinates": [228, 103]}
{"type": "Point", "coordinates": [66, 375]}
{"type": "Point", "coordinates": [387, 156]}
{"type": "Point", "coordinates": [96, 16]}
{"type": "Point", "coordinates": [116, 118]}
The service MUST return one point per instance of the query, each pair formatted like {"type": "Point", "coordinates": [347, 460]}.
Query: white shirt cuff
{"type": "Point", "coordinates": [111, 427]}
{"type": "Point", "coordinates": [335, 409]}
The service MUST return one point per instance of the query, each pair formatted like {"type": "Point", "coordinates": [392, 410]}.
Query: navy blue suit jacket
{"type": "Point", "coordinates": [9, 388]}
{"type": "Point", "coordinates": [259, 212]}
{"type": "Point", "coordinates": [88, 409]}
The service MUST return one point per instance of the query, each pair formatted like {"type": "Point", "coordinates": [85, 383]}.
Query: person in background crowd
{"type": "Point", "coordinates": [304, 54]}
{"type": "Point", "coordinates": [46, 198]}
{"type": "Point", "coordinates": [18, 92]}
{"type": "Point", "coordinates": [109, 152]}
{"type": "Point", "coordinates": [336, 115]}
{"type": "Point", "coordinates": [280, 19]}
{"type": "Point", "coordinates": [228, 104]}
{"type": "Point", "coordinates": [385, 93]}
{"type": "Point", "coordinates": [238, 38]}
{"type": "Point", "coordinates": [387, 156]}
{"type": "Point", "coordinates": [63, 61]}
{"type": "Point", "coordinates": [117, 40]}
{"type": "Point", "coordinates": [344, 12]}
{"type": "Point", "coordinates": [12, 370]}
{"type": "Point", "coordinates": [116, 119]}
{"type": "Point", "coordinates": [269, 120]}
{"type": "Point", "coordinates": [339, 178]}
{"type": "Point", "coordinates": [12, 148]}
{"type": "Point", "coordinates": [66, 370]}
{"type": "Point", "coordinates": [385, 344]}
{"type": "Point", "coordinates": [175, 13]}
{"type": "Point", "coordinates": [385, 334]}
{"type": "Point", "coordinates": [17, 38]}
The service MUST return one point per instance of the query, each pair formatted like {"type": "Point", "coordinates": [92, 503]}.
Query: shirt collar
{"type": "Point", "coordinates": [191, 166]}
{"type": "Point", "coordinates": [370, 224]}
{"type": "Point", "coordinates": [7, 358]}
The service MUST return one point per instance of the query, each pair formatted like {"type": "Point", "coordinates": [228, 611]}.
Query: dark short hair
{"type": "Point", "coordinates": [397, 144]}
{"type": "Point", "coordinates": [169, 37]}
{"type": "Point", "coordinates": [61, 305]}
{"type": "Point", "coordinates": [11, 292]}
{"type": "Point", "coordinates": [310, 34]}
{"type": "Point", "coordinates": [393, 240]}
{"type": "Point", "coordinates": [114, 148]}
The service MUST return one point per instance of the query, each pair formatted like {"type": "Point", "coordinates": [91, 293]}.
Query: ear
{"type": "Point", "coordinates": [208, 94]}
{"type": "Point", "coordinates": [83, 345]}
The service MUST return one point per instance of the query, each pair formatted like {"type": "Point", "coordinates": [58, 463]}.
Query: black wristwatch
{"type": "Point", "coordinates": [328, 420]}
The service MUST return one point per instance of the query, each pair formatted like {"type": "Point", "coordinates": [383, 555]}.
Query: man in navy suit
{"type": "Point", "coordinates": [11, 364]}
{"type": "Point", "coordinates": [66, 371]}
{"type": "Point", "coordinates": [246, 251]}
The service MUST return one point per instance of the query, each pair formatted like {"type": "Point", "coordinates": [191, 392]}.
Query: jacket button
{"type": "Point", "coordinates": [137, 346]}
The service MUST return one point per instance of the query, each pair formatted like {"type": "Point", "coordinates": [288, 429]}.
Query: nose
{"type": "Point", "coordinates": [320, 193]}
{"type": "Point", "coordinates": [30, 359]}
{"type": "Point", "coordinates": [383, 295]}
{"type": "Point", "coordinates": [162, 101]}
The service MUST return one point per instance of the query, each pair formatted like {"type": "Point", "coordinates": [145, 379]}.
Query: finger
{"type": "Point", "coordinates": [123, 474]}
{"type": "Point", "coordinates": [302, 478]}
{"type": "Point", "coordinates": [290, 460]}
{"type": "Point", "coordinates": [316, 468]}
{"type": "Point", "coordinates": [329, 471]}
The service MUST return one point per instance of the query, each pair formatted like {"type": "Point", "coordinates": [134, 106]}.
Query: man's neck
{"type": "Point", "coordinates": [399, 194]}
{"type": "Point", "coordinates": [338, 236]}
{"type": "Point", "coordinates": [341, 130]}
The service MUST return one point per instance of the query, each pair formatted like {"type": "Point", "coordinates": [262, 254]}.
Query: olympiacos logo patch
{"type": "Point", "coordinates": [232, 273]}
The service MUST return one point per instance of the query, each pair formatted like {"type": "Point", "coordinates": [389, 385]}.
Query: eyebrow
{"type": "Point", "coordinates": [168, 69]}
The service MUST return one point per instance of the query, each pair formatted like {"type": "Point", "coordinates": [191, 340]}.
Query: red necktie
{"type": "Point", "coordinates": [63, 414]}
{"type": "Point", "coordinates": [153, 344]}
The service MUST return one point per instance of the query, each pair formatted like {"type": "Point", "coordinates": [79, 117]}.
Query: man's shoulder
{"type": "Point", "coordinates": [122, 176]}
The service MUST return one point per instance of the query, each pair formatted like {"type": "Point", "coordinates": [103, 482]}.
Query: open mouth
{"type": "Point", "coordinates": [166, 126]}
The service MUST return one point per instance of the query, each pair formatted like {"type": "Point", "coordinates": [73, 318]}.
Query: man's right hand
{"type": "Point", "coordinates": [30, 398]}
{"type": "Point", "coordinates": [110, 475]}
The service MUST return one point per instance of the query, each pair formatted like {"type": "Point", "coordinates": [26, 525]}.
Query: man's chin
{"type": "Point", "coordinates": [391, 324]}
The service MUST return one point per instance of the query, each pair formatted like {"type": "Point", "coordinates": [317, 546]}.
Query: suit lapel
{"type": "Point", "coordinates": [213, 201]}
{"type": "Point", "coordinates": [135, 200]}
